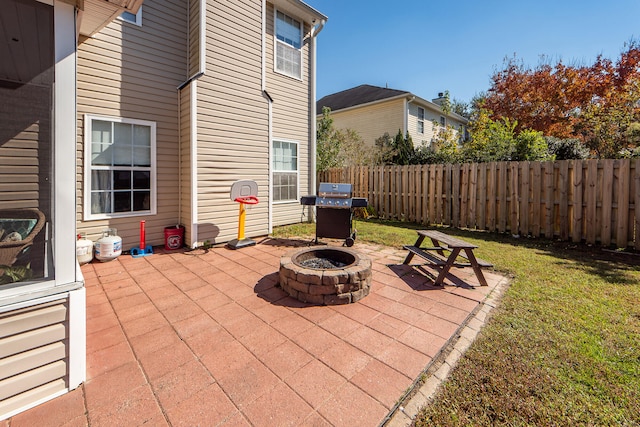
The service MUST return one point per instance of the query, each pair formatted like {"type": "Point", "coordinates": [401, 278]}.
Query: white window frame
{"type": "Point", "coordinates": [420, 120]}
{"type": "Point", "coordinates": [443, 121]}
{"type": "Point", "coordinates": [138, 17]}
{"type": "Point", "coordinates": [275, 171]}
{"type": "Point", "coordinates": [88, 216]}
{"type": "Point", "coordinates": [276, 42]}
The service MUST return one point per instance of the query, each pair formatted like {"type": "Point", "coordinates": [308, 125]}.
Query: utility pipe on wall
{"type": "Point", "coordinates": [315, 30]}
{"type": "Point", "coordinates": [193, 126]}
{"type": "Point", "coordinates": [406, 115]}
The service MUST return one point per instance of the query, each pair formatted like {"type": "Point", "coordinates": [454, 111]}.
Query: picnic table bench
{"type": "Point", "coordinates": [436, 254]}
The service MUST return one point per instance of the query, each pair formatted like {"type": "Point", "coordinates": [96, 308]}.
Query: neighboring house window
{"type": "Point", "coordinates": [120, 167]}
{"type": "Point", "coordinates": [133, 18]}
{"type": "Point", "coordinates": [420, 120]}
{"type": "Point", "coordinates": [443, 121]}
{"type": "Point", "coordinates": [288, 46]}
{"type": "Point", "coordinates": [285, 171]}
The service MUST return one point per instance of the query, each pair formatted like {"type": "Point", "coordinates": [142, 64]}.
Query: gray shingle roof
{"type": "Point", "coordinates": [355, 96]}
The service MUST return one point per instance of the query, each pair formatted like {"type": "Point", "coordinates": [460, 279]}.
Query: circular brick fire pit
{"type": "Point", "coordinates": [323, 275]}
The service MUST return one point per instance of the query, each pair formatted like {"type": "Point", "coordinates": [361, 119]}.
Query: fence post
{"type": "Point", "coordinates": [622, 220]}
{"type": "Point", "coordinates": [577, 184]}
{"type": "Point", "coordinates": [636, 203]}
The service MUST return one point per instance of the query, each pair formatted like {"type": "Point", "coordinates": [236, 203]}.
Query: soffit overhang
{"type": "Point", "coordinates": [301, 10]}
{"type": "Point", "coordinates": [94, 15]}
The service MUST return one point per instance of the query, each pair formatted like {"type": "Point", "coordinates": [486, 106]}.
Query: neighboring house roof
{"type": "Point", "coordinates": [365, 94]}
{"type": "Point", "coordinates": [362, 94]}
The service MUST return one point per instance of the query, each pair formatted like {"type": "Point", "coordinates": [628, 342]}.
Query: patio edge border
{"type": "Point", "coordinates": [423, 389]}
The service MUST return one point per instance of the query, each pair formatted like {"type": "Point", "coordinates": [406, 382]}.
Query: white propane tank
{"type": "Point", "coordinates": [84, 249]}
{"type": "Point", "coordinates": [109, 246]}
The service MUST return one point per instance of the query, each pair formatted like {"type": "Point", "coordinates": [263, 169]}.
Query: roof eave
{"type": "Point", "coordinates": [93, 15]}
{"type": "Point", "coordinates": [438, 108]}
{"type": "Point", "coordinates": [407, 95]}
{"type": "Point", "coordinates": [377, 101]}
{"type": "Point", "coordinates": [301, 9]}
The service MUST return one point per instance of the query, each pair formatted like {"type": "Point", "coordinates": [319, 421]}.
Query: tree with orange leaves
{"type": "Point", "coordinates": [598, 104]}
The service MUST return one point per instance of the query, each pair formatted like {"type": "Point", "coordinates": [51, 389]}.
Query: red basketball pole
{"type": "Point", "coordinates": [142, 236]}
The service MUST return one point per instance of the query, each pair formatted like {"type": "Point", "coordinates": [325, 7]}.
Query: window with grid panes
{"type": "Point", "coordinates": [121, 167]}
{"type": "Point", "coordinates": [285, 171]}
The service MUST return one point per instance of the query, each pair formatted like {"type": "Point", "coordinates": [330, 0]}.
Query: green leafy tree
{"type": "Point", "coordinates": [597, 103]}
{"type": "Point", "coordinates": [461, 108]}
{"type": "Point", "coordinates": [403, 149]}
{"type": "Point", "coordinates": [445, 103]}
{"type": "Point", "coordinates": [354, 151]}
{"type": "Point", "coordinates": [445, 144]}
{"type": "Point", "coordinates": [497, 140]}
{"type": "Point", "coordinates": [340, 147]}
{"type": "Point", "coordinates": [328, 143]}
{"type": "Point", "coordinates": [384, 150]}
{"type": "Point", "coordinates": [610, 126]}
{"type": "Point", "coordinates": [530, 145]}
{"type": "Point", "coordinates": [566, 149]}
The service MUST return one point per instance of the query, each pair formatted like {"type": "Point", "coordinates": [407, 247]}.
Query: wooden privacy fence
{"type": "Point", "coordinates": [578, 200]}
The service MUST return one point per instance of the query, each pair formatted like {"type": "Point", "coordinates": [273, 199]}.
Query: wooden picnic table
{"type": "Point", "coordinates": [436, 254]}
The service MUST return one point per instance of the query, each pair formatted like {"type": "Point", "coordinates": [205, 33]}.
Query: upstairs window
{"type": "Point", "coordinates": [120, 161]}
{"type": "Point", "coordinates": [288, 55]}
{"type": "Point", "coordinates": [420, 120]}
{"type": "Point", "coordinates": [443, 121]}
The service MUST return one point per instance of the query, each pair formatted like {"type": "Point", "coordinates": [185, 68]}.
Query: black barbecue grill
{"type": "Point", "coordinates": [334, 211]}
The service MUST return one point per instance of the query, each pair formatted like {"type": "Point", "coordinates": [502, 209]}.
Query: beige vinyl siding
{"type": "Point", "coordinates": [194, 36]}
{"type": "Point", "coordinates": [25, 141]}
{"type": "Point", "coordinates": [290, 119]}
{"type": "Point", "coordinates": [232, 121]}
{"type": "Point", "coordinates": [372, 121]}
{"type": "Point", "coordinates": [185, 162]}
{"type": "Point", "coordinates": [133, 72]}
{"type": "Point", "coordinates": [430, 116]}
{"type": "Point", "coordinates": [33, 354]}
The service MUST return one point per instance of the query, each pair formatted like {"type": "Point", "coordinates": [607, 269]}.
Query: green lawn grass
{"type": "Point", "coordinates": [563, 346]}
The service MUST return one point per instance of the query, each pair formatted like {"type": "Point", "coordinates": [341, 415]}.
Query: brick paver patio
{"type": "Point", "coordinates": [208, 338]}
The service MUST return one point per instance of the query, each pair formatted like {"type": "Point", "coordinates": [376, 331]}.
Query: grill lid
{"type": "Point", "coordinates": [328, 189]}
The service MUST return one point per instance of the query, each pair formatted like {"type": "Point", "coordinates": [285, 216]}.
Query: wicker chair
{"type": "Point", "coordinates": [9, 251]}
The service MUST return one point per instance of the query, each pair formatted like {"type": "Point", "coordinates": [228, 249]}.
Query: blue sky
{"type": "Point", "coordinates": [426, 47]}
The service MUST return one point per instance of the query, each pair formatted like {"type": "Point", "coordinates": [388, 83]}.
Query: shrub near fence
{"type": "Point", "coordinates": [596, 201]}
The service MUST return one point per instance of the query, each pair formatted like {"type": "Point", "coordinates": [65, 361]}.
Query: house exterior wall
{"type": "Point", "coordinates": [430, 116]}
{"type": "Point", "coordinates": [212, 131]}
{"type": "Point", "coordinates": [194, 36]}
{"type": "Point", "coordinates": [23, 140]}
{"type": "Point", "coordinates": [33, 354]}
{"type": "Point", "coordinates": [129, 71]}
{"type": "Point", "coordinates": [372, 121]}
{"type": "Point", "coordinates": [291, 119]}
{"type": "Point", "coordinates": [232, 121]}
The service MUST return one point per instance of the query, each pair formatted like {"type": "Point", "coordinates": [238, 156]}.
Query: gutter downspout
{"type": "Point", "coordinates": [193, 127]}
{"type": "Point", "coordinates": [406, 115]}
{"type": "Point", "coordinates": [313, 132]}
{"type": "Point", "coordinates": [266, 95]}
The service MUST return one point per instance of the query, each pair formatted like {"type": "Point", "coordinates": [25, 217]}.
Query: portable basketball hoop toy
{"type": "Point", "coordinates": [243, 192]}
{"type": "Point", "coordinates": [143, 249]}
